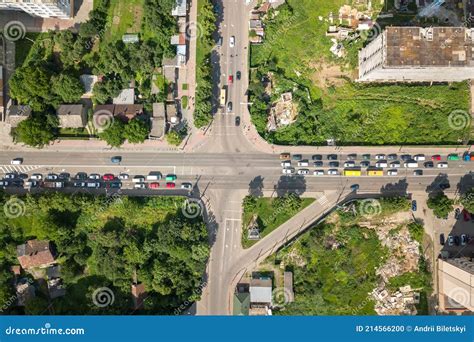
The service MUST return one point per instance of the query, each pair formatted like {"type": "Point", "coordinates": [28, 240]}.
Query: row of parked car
{"type": "Point", "coordinates": [380, 156]}
{"type": "Point", "coordinates": [452, 240]}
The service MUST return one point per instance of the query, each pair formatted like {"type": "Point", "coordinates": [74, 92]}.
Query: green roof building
{"type": "Point", "coordinates": [241, 304]}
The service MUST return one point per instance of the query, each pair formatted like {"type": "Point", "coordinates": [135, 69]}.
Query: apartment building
{"type": "Point", "coordinates": [61, 9]}
{"type": "Point", "coordinates": [456, 285]}
{"type": "Point", "coordinates": [416, 54]}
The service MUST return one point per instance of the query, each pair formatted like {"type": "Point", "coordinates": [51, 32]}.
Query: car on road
{"type": "Point", "coordinates": [395, 164]}
{"type": "Point", "coordinates": [450, 240]}
{"type": "Point", "coordinates": [318, 163]}
{"type": "Point", "coordinates": [10, 175]}
{"type": "Point", "coordinates": [94, 176]}
{"type": "Point", "coordinates": [419, 157]}
{"type": "Point", "coordinates": [414, 205]}
{"type": "Point", "coordinates": [286, 163]}
{"type": "Point", "coordinates": [405, 157]}
{"type": "Point", "coordinates": [297, 157]}
{"type": "Point", "coordinates": [171, 177]}
{"type": "Point", "coordinates": [238, 74]}
{"type": "Point", "coordinates": [457, 213]}
{"type": "Point", "coordinates": [284, 156]}
{"type": "Point", "coordinates": [219, 41]}
{"type": "Point", "coordinates": [318, 172]}
{"type": "Point", "coordinates": [186, 186]}
{"type": "Point", "coordinates": [428, 164]}
{"type": "Point", "coordinates": [379, 156]}
{"type": "Point", "coordinates": [288, 171]}
{"type": "Point", "coordinates": [418, 173]}
{"type": "Point", "coordinates": [303, 162]}
{"type": "Point", "coordinates": [392, 156]}
{"type": "Point", "coordinates": [64, 176]}
{"type": "Point", "coordinates": [36, 176]}
{"type": "Point", "coordinates": [381, 163]}
{"type": "Point", "coordinates": [333, 172]}
{"type": "Point", "coordinates": [332, 156]}
{"type": "Point", "coordinates": [365, 163]}
{"type": "Point", "coordinates": [229, 107]}
{"type": "Point", "coordinates": [232, 41]}
{"type": "Point", "coordinates": [334, 164]}
{"type": "Point", "coordinates": [442, 165]}
{"type": "Point", "coordinates": [237, 121]}
{"type": "Point", "coordinates": [392, 172]}
{"type": "Point", "coordinates": [16, 161]}
{"type": "Point", "coordinates": [52, 176]}
{"type": "Point", "coordinates": [81, 176]}
{"type": "Point", "coordinates": [154, 185]}
{"type": "Point", "coordinates": [349, 163]}
{"type": "Point", "coordinates": [116, 159]}
{"type": "Point", "coordinates": [303, 172]}
{"type": "Point", "coordinates": [464, 239]}
{"type": "Point", "coordinates": [139, 186]}
{"type": "Point", "coordinates": [355, 187]}
{"type": "Point", "coordinates": [317, 157]}
{"type": "Point", "coordinates": [170, 185]}
{"type": "Point", "coordinates": [441, 239]}
{"type": "Point", "coordinates": [366, 156]}
{"type": "Point", "coordinates": [108, 177]}
{"type": "Point", "coordinates": [466, 215]}
{"type": "Point", "coordinates": [352, 156]}
{"type": "Point", "coordinates": [124, 176]}
{"type": "Point", "coordinates": [230, 80]}
{"type": "Point", "coordinates": [138, 179]}
{"type": "Point", "coordinates": [435, 157]}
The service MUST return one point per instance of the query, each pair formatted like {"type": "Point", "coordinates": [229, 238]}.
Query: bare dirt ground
{"type": "Point", "coordinates": [327, 75]}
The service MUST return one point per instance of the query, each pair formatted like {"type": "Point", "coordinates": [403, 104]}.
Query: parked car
{"type": "Point", "coordinates": [317, 157]}
{"type": "Point", "coordinates": [442, 165]}
{"type": "Point", "coordinates": [230, 79]}
{"type": "Point", "coordinates": [441, 239]}
{"type": "Point", "coordinates": [32, 184]}
{"type": "Point", "coordinates": [429, 164]}
{"type": "Point", "coordinates": [414, 205]}
{"type": "Point", "coordinates": [366, 156]}
{"type": "Point", "coordinates": [232, 41]}
{"type": "Point", "coordinates": [187, 186]}
{"type": "Point", "coordinates": [116, 159]}
{"type": "Point", "coordinates": [333, 172]}
{"type": "Point", "coordinates": [81, 176]}
{"type": "Point", "coordinates": [418, 173]}
{"type": "Point", "coordinates": [288, 171]}
{"type": "Point", "coordinates": [94, 185]}
{"type": "Point", "coordinates": [114, 185]}
{"type": "Point", "coordinates": [171, 178]}
{"type": "Point", "coordinates": [464, 239]}
{"type": "Point", "coordinates": [286, 163]}
{"type": "Point", "coordinates": [453, 156]}
{"type": "Point", "coordinates": [435, 157]}
{"type": "Point", "coordinates": [284, 156]}
{"type": "Point", "coordinates": [123, 176]}
{"type": "Point", "coordinates": [139, 186]}
{"type": "Point", "coordinates": [108, 177]}
{"type": "Point", "coordinates": [237, 121]}
{"type": "Point", "coordinates": [365, 163]}
{"type": "Point", "coordinates": [64, 176]}
{"type": "Point", "coordinates": [410, 163]}
{"type": "Point", "coordinates": [392, 172]}
{"type": "Point", "coordinates": [395, 164]}
{"type": "Point", "coordinates": [392, 156]}
{"type": "Point", "coordinates": [379, 156]}
{"type": "Point", "coordinates": [79, 184]}
{"type": "Point", "coordinates": [238, 74]}
{"type": "Point", "coordinates": [297, 157]}
{"type": "Point", "coordinates": [349, 163]}
{"type": "Point", "coordinates": [381, 163]}
{"type": "Point", "coordinates": [352, 156]}
{"type": "Point", "coordinates": [450, 240]}
{"type": "Point", "coordinates": [229, 107]}
{"type": "Point", "coordinates": [36, 176]}
{"type": "Point", "coordinates": [303, 162]}
{"type": "Point", "coordinates": [457, 240]}
{"type": "Point", "coordinates": [318, 164]}
{"type": "Point", "coordinates": [355, 187]}
{"type": "Point", "coordinates": [457, 213]}
{"type": "Point", "coordinates": [318, 172]}
{"type": "Point", "coordinates": [170, 185]}
{"type": "Point", "coordinates": [138, 179]}
{"type": "Point", "coordinates": [154, 185]}
{"type": "Point", "coordinates": [303, 172]}
{"type": "Point", "coordinates": [52, 176]}
{"type": "Point", "coordinates": [419, 157]}
{"type": "Point", "coordinates": [10, 175]}
{"type": "Point", "coordinates": [334, 164]}
{"type": "Point", "coordinates": [94, 176]}
{"type": "Point", "coordinates": [405, 157]}
{"type": "Point", "coordinates": [332, 156]}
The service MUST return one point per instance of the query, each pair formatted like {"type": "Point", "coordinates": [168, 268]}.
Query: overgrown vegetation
{"type": "Point", "coordinates": [296, 55]}
{"type": "Point", "coordinates": [441, 205]}
{"type": "Point", "coordinates": [105, 242]}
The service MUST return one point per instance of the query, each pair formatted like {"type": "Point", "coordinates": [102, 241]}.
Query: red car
{"type": "Point", "coordinates": [231, 79]}
{"type": "Point", "coordinates": [108, 177]}
{"type": "Point", "coordinates": [466, 215]}
{"type": "Point", "coordinates": [170, 185]}
{"type": "Point", "coordinates": [436, 157]}
{"type": "Point", "coordinates": [154, 185]}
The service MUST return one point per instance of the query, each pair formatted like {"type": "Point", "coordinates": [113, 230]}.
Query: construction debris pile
{"type": "Point", "coordinates": [402, 302]}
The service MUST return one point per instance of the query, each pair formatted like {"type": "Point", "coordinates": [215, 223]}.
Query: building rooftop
{"type": "Point", "coordinates": [73, 116]}
{"type": "Point", "coordinates": [126, 96]}
{"type": "Point", "coordinates": [428, 47]}
{"type": "Point", "coordinates": [35, 253]}
{"type": "Point", "coordinates": [456, 284]}
{"type": "Point", "coordinates": [261, 290]}
{"type": "Point", "coordinates": [241, 304]}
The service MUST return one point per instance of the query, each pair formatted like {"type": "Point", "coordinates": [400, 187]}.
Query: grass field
{"type": "Point", "coordinates": [296, 49]}
{"type": "Point", "coordinates": [124, 17]}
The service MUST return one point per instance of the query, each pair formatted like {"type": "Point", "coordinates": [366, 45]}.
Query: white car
{"type": "Point", "coordinates": [318, 173]}
{"type": "Point", "coordinates": [36, 176]}
{"type": "Point", "coordinates": [123, 176]}
{"type": "Point", "coordinates": [303, 172]}
{"type": "Point", "coordinates": [380, 156]}
{"type": "Point", "coordinates": [303, 163]}
{"type": "Point", "coordinates": [187, 186]}
{"type": "Point", "coordinates": [419, 157]}
{"type": "Point", "coordinates": [138, 179]}
{"type": "Point", "coordinates": [52, 176]}
{"type": "Point", "coordinates": [10, 176]}
{"type": "Point", "coordinates": [94, 176]}
{"type": "Point", "coordinates": [382, 163]}
{"type": "Point", "coordinates": [140, 186]}
{"type": "Point", "coordinates": [410, 164]}
{"type": "Point", "coordinates": [442, 165]}
{"type": "Point", "coordinates": [286, 163]}
{"type": "Point", "coordinates": [392, 172]}
{"type": "Point", "coordinates": [232, 41]}
{"type": "Point", "coordinates": [350, 163]}
{"type": "Point", "coordinates": [288, 171]}
{"type": "Point", "coordinates": [395, 164]}
{"type": "Point", "coordinates": [16, 161]}
{"type": "Point", "coordinates": [333, 172]}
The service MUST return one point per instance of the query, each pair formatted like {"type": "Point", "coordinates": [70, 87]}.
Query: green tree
{"type": "Point", "coordinates": [440, 204]}
{"type": "Point", "coordinates": [174, 138]}
{"type": "Point", "coordinates": [67, 87]}
{"type": "Point", "coordinates": [136, 131]}
{"type": "Point", "coordinates": [114, 135]}
{"type": "Point", "coordinates": [467, 201]}
{"type": "Point", "coordinates": [35, 131]}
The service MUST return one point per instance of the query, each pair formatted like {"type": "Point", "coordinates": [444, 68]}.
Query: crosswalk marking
{"type": "Point", "coordinates": [323, 200]}
{"type": "Point", "coordinates": [19, 168]}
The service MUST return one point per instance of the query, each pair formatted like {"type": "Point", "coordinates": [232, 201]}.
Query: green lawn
{"type": "Point", "coordinates": [124, 17]}
{"type": "Point", "coordinates": [270, 216]}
